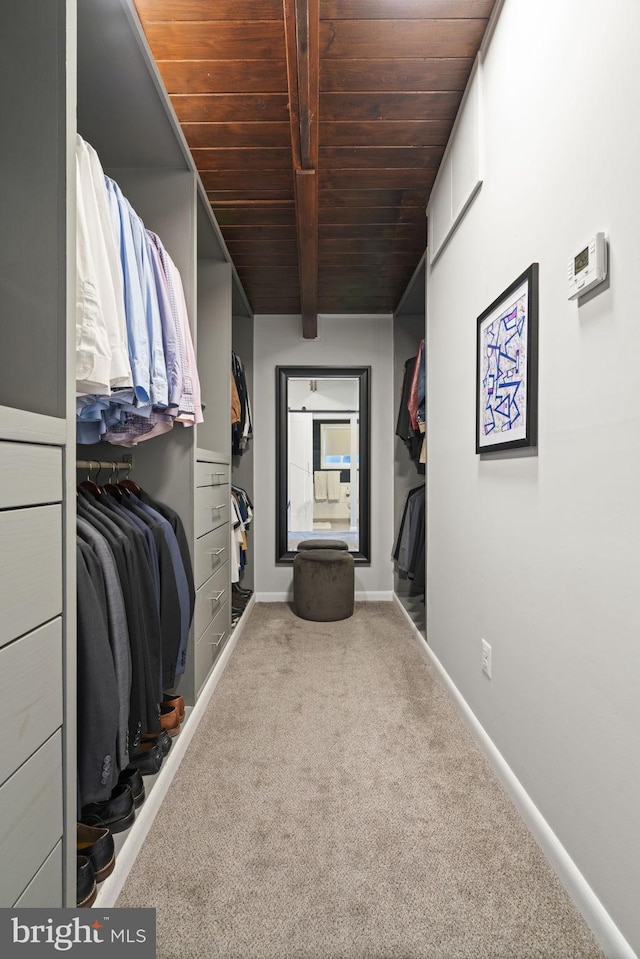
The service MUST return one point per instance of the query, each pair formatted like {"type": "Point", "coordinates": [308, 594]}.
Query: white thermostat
{"type": "Point", "coordinates": [588, 267]}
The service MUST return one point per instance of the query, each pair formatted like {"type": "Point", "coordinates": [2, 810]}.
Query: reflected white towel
{"type": "Point", "coordinates": [333, 486]}
{"type": "Point", "coordinates": [319, 486]}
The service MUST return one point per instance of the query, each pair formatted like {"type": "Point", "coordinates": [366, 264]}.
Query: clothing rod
{"type": "Point", "coordinates": [95, 464]}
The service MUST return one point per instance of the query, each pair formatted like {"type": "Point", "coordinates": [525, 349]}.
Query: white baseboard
{"type": "Point", "coordinates": [611, 940]}
{"type": "Point", "coordinates": [110, 889]}
{"type": "Point", "coordinates": [361, 596]}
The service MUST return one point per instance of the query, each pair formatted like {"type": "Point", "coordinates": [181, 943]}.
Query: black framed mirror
{"type": "Point", "coordinates": [323, 439]}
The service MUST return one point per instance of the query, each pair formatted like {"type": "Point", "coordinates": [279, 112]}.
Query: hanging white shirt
{"type": "Point", "coordinates": [102, 358]}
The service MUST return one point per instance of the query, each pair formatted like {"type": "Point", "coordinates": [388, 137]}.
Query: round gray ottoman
{"type": "Point", "coordinates": [322, 544]}
{"type": "Point", "coordinates": [323, 585]}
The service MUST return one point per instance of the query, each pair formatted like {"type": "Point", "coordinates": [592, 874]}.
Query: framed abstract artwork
{"type": "Point", "coordinates": [507, 368]}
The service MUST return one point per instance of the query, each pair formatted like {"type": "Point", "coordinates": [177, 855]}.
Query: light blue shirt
{"type": "Point", "coordinates": [137, 330]}
{"type": "Point", "coordinates": [172, 353]}
{"type": "Point", "coordinates": [158, 369]}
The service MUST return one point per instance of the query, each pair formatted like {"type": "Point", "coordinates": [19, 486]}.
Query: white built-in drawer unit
{"type": "Point", "coordinates": [212, 570]}
{"type": "Point", "coordinates": [30, 569]}
{"type": "Point", "coordinates": [31, 664]}
{"type": "Point", "coordinates": [210, 598]}
{"type": "Point", "coordinates": [212, 552]}
{"type": "Point", "coordinates": [45, 889]}
{"type": "Point", "coordinates": [29, 475]}
{"type": "Point", "coordinates": [31, 820]}
{"type": "Point", "coordinates": [211, 474]}
{"type": "Point", "coordinates": [32, 694]}
{"type": "Point", "coordinates": [212, 507]}
{"type": "Point", "coordinates": [210, 645]}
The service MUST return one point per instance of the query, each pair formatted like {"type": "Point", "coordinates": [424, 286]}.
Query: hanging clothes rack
{"type": "Point", "coordinates": [91, 464]}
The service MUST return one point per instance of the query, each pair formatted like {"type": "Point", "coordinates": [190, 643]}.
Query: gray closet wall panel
{"type": "Point", "coordinates": [242, 466]}
{"type": "Point", "coordinates": [214, 354]}
{"type": "Point", "coordinates": [32, 200]}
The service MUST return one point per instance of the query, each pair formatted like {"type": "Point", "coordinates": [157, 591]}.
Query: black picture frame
{"type": "Point", "coordinates": [507, 328]}
{"type": "Point", "coordinates": [363, 373]}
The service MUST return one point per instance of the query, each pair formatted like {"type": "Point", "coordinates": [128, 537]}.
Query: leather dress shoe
{"type": "Point", "coordinates": [170, 719]}
{"type": "Point", "coordinates": [96, 843]}
{"type": "Point", "coordinates": [133, 779]}
{"type": "Point", "coordinates": [162, 740]}
{"type": "Point", "coordinates": [86, 888]}
{"type": "Point", "coordinates": [147, 759]}
{"type": "Point", "coordinates": [177, 702]}
{"type": "Point", "coordinates": [117, 812]}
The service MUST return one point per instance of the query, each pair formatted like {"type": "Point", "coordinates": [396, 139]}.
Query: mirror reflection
{"type": "Point", "coordinates": [323, 477]}
{"type": "Point", "coordinates": [323, 422]}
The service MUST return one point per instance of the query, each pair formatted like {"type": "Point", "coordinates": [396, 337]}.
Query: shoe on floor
{"type": "Point", "coordinates": [170, 719]}
{"type": "Point", "coordinates": [133, 779]}
{"type": "Point", "coordinates": [86, 888]}
{"type": "Point", "coordinates": [96, 843]}
{"type": "Point", "coordinates": [177, 702]}
{"type": "Point", "coordinates": [147, 759]}
{"type": "Point", "coordinates": [162, 740]}
{"type": "Point", "coordinates": [117, 812]}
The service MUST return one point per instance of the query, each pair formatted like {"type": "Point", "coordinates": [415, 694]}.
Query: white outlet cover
{"type": "Point", "coordinates": [486, 658]}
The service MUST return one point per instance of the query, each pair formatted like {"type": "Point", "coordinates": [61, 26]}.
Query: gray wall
{"type": "Point", "coordinates": [540, 554]}
{"type": "Point", "coordinates": [343, 341]}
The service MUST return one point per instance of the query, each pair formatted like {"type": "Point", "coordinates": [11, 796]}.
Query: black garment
{"type": "Point", "coordinates": [141, 608]}
{"type": "Point", "coordinates": [97, 684]}
{"type": "Point", "coordinates": [142, 581]}
{"type": "Point", "coordinates": [409, 550]}
{"type": "Point", "coordinates": [170, 620]}
{"type": "Point", "coordinates": [178, 528]}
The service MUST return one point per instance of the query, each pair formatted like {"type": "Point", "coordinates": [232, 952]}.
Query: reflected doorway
{"type": "Point", "coordinates": [320, 477]}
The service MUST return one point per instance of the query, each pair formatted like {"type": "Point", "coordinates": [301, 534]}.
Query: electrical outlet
{"type": "Point", "coordinates": [486, 658]}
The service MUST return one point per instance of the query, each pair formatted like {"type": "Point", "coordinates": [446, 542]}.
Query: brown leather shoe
{"type": "Point", "coordinates": [177, 702]}
{"type": "Point", "coordinates": [170, 719]}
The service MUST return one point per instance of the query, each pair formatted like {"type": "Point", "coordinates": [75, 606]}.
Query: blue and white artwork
{"type": "Point", "coordinates": [503, 342]}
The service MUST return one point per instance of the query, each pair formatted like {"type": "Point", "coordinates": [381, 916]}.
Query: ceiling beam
{"type": "Point", "coordinates": [302, 32]}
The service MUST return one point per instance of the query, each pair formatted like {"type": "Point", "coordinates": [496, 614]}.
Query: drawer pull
{"type": "Point", "coordinates": [220, 636]}
{"type": "Point", "coordinates": [218, 474]}
{"type": "Point", "coordinates": [216, 509]}
{"type": "Point", "coordinates": [216, 597]}
{"type": "Point", "coordinates": [216, 552]}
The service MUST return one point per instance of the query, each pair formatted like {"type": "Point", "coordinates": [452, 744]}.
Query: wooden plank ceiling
{"type": "Point", "coordinates": [391, 77]}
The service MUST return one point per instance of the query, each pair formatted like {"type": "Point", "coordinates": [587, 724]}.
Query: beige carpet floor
{"type": "Point", "coordinates": [332, 805]}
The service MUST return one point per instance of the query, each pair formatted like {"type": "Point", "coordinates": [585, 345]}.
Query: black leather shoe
{"type": "Point", "coordinates": [162, 740]}
{"type": "Point", "coordinates": [96, 843]}
{"type": "Point", "coordinates": [133, 779]}
{"type": "Point", "coordinates": [147, 759]}
{"type": "Point", "coordinates": [117, 812]}
{"type": "Point", "coordinates": [86, 888]}
{"type": "Point", "coordinates": [241, 590]}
